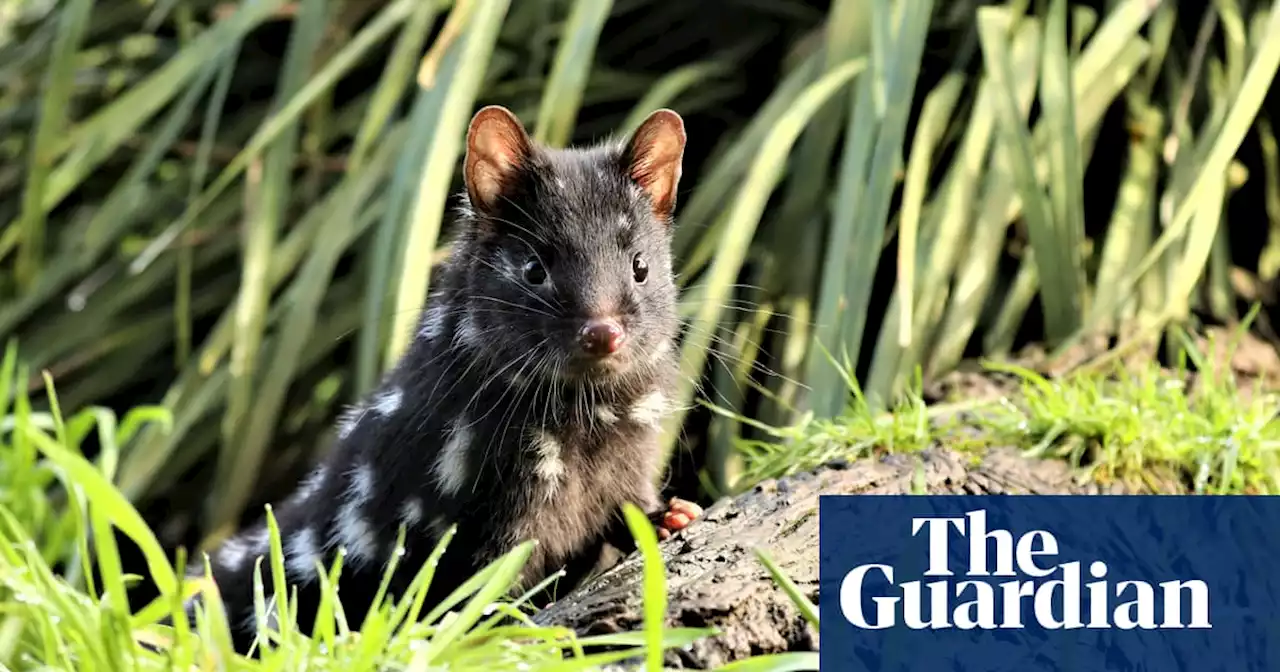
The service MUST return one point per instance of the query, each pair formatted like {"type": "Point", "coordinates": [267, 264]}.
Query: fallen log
{"type": "Point", "coordinates": [715, 580]}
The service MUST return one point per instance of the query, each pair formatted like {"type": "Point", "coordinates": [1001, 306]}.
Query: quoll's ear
{"type": "Point", "coordinates": [497, 148]}
{"type": "Point", "coordinates": [655, 154]}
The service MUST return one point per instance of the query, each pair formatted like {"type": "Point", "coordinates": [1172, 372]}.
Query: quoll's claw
{"type": "Point", "coordinates": [679, 514]}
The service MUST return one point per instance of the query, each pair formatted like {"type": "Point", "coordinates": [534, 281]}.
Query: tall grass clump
{"type": "Point", "coordinates": [64, 586]}
{"type": "Point", "coordinates": [233, 210]}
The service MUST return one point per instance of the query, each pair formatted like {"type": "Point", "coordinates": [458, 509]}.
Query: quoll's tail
{"type": "Point", "coordinates": [232, 566]}
{"type": "Point", "coordinates": [311, 532]}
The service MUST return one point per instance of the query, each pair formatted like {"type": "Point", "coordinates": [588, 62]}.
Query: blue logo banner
{"type": "Point", "coordinates": [1054, 583]}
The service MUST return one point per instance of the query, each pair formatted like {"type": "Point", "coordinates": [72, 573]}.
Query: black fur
{"type": "Point", "coordinates": [504, 355]}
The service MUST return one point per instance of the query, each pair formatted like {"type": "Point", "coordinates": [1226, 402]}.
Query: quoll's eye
{"type": "Point", "coordinates": [534, 273]}
{"type": "Point", "coordinates": [640, 269]}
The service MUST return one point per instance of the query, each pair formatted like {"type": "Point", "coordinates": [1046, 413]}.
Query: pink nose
{"type": "Point", "coordinates": [601, 337]}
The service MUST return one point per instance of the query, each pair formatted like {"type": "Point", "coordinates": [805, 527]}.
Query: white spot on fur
{"type": "Point", "coordinates": [259, 540]}
{"type": "Point", "coordinates": [433, 321]}
{"type": "Point", "coordinates": [650, 409]}
{"type": "Point", "coordinates": [661, 350]}
{"type": "Point", "coordinates": [349, 420]}
{"type": "Point", "coordinates": [351, 529]}
{"type": "Point", "coordinates": [411, 512]}
{"type": "Point", "coordinates": [606, 415]}
{"type": "Point", "coordinates": [310, 486]}
{"type": "Point", "coordinates": [468, 332]}
{"type": "Point", "coordinates": [388, 401]}
{"type": "Point", "coordinates": [550, 466]}
{"type": "Point", "coordinates": [451, 463]}
{"type": "Point", "coordinates": [560, 184]}
{"type": "Point", "coordinates": [301, 554]}
{"type": "Point", "coordinates": [242, 548]}
{"type": "Point", "coordinates": [232, 554]}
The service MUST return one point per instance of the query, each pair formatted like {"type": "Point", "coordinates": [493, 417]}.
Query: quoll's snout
{"type": "Point", "coordinates": [600, 338]}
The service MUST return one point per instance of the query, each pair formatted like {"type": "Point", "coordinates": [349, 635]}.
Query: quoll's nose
{"type": "Point", "coordinates": [601, 337]}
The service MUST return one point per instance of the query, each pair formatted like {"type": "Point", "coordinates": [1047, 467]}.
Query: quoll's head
{"type": "Point", "coordinates": [569, 271]}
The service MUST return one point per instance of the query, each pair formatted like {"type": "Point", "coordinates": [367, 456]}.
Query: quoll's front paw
{"type": "Point", "coordinates": [679, 514]}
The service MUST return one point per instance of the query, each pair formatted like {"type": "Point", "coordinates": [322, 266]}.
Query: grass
{"type": "Point", "coordinates": [232, 211]}
{"type": "Point", "coordinates": [179, 208]}
{"type": "Point", "coordinates": [1152, 428]}
{"type": "Point", "coordinates": [62, 586]}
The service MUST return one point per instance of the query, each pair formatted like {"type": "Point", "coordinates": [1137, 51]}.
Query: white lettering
{"type": "Point", "coordinates": [851, 599]}
{"type": "Point", "coordinates": [1029, 558]}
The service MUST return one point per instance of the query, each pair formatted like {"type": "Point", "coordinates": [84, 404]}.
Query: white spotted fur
{"type": "Point", "coordinates": [411, 512]}
{"type": "Point", "coordinates": [387, 402]}
{"type": "Point", "coordinates": [550, 467]}
{"type": "Point", "coordinates": [606, 415]}
{"type": "Point", "coordinates": [649, 409]}
{"type": "Point", "coordinates": [301, 554]}
{"type": "Point", "coordinates": [433, 322]}
{"type": "Point", "coordinates": [451, 465]}
{"type": "Point", "coordinates": [352, 530]}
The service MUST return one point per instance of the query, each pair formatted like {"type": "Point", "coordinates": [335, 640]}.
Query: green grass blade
{"type": "Point", "coordinates": [939, 107]}
{"type": "Point", "coordinates": [388, 240]}
{"type": "Point", "coordinates": [700, 221]}
{"type": "Point", "coordinates": [766, 169]}
{"type": "Point", "coordinates": [472, 58]}
{"type": "Point", "coordinates": [394, 81]}
{"type": "Point", "coordinates": [574, 58]}
{"type": "Point", "coordinates": [103, 495]}
{"type": "Point", "coordinates": [873, 155]}
{"type": "Point", "coordinates": [505, 571]}
{"type": "Point", "coordinates": [1134, 211]}
{"type": "Point", "coordinates": [654, 584]}
{"type": "Point", "coordinates": [343, 221]}
{"type": "Point", "coordinates": [668, 89]}
{"type": "Point", "coordinates": [268, 193]}
{"type": "Point", "coordinates": [92, 142]}
{"type": "Point", "coordinates": [1066, 193]}
{"type": "Point", "coordinates": [73, 22]}
{"type": "Point", "coordinates": [1061, 305]}
{"type": "Point", "coordinates": [807, 608]}
{"type": "Point", "coordinates": [322, 81]}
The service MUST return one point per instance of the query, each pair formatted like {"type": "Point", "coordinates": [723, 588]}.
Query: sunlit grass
{"type": "Point", "coordinates": [63, 602]}
{"type": "Point", "coordinates": [1148, 427]}
{"type": "Point", "coordinates": [149, 207]}
{"type": "Point", "coordinates": [164, 233]}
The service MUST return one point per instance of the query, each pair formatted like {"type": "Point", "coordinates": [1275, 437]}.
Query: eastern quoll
{"type": "Point", "coordinates": [528, 404]}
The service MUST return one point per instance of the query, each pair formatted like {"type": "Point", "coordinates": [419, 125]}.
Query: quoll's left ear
{"type": "Point", "coordinates": [655, 154]}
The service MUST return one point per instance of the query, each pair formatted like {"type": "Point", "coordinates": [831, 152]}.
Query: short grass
{"type": "Point", "coordinates": [63, 585]}
{"type": "Point", "coordinates": [1122, 423]}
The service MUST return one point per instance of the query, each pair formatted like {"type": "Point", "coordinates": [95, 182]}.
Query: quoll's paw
{"type": "Point", "coordinates": [679, 514]}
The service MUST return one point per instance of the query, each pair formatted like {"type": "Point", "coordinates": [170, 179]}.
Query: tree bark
{"type": "Point", "coordinates": [715, 580]}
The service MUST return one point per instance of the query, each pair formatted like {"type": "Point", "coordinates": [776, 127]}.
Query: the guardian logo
{"type": "Point", "coordinates": [1039, 592]}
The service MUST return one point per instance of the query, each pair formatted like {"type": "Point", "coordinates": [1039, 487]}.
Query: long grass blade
{"type": "Point", "coordinates": [563, 93]}
{"type": "Point", "coordinates": [439, 165]}
{"type": "Point", "coordinates": [766, 169]}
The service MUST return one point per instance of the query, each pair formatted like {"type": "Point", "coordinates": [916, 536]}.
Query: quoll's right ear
{"type": "Point", "coordinates": [497, 148]}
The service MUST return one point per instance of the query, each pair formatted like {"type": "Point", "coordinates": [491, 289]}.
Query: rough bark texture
{"type": "Point", "coordinates": [714, 579]}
